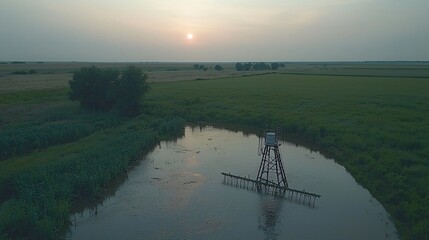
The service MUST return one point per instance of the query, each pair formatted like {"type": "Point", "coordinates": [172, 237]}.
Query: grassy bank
{"type": "Point", "coordinates": [61, 154]}
{"type": "Point", "coordinates": [376, 127]}
{"type": "Point", "coordinates": [58, 153]}
{"type": "Point", "coordinates": [37, 199]}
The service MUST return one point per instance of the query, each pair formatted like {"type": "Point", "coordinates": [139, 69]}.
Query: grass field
{"type": "Point", "coordinates": [56, 75]}
{"type": "Point", "coordinates": [376, 127]}
{"type": "Point", "coordinates": [370, 117]}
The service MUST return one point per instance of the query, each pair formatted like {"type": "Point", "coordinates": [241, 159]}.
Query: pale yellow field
{"type": "Point", "coordinates": [34, 81]}
{"type": "Point", "coordinates": [57, 74]}
{"type": "Point", "coordinates": [170, 76]}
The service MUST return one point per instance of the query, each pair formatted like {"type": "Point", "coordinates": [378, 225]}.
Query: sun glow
{"type": "Point", "coordinates": [190, 36]}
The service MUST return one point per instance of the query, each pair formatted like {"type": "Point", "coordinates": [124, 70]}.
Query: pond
{"type": "Point", "coordinates": [176, 192]}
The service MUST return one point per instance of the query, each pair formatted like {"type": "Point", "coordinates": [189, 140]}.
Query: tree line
{"type": "Point", "coordinates": [204, 68]}
{"type": "Point", "coordinates": [258, 66]}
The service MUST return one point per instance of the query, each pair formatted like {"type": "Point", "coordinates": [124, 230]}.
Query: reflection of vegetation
{"type": "Point", "coordinates": [376, 127]}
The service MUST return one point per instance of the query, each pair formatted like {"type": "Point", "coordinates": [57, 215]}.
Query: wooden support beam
{"type": "Point", "coordinates": [268, 185]}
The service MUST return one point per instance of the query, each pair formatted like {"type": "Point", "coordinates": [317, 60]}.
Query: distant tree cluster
{"type": "Point", "coordinates": [200, 67]}
{"type": "Point", "coordinates": [204, 68]}
{"type": "Point", "coordinates": [218, 67]}
{"type": "Point", "coordinates": [104, 89]}
{"type": "Point", "coordinates": [23, 72]}
{"type": "Point", "coordinates": [257, 66]}
{"type": "Point", "coordinates": [243, 66]}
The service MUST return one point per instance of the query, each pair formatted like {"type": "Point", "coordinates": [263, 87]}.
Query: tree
{"type": "Point", "coordinates": [200, 67]}
{"type": "Point", "coordinates": [218, 67]}
{"type": "Point", "coordinates": [247, 66]}
{"type": "Point", "coordinates": [239, 66]}
{"type": "Point", "coordinates": [274, 66]}
{"type": "Point", "coordinates": [92, 87]}
{"type": "Point", "coordinates": [104, 89]}
{"type": "Point", "coordinates": [130, 88]}
{"type": "Point", "coordinates": [260, 66]}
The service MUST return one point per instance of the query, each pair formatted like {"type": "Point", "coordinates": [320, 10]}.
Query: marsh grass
{"type": "Point", "coordinates": [59, 125]}
{"type": "Point", "coordinates": [58, 154]}
{"type": "Point", "coordinates": [375, 126]}
{"type": "Point", "coordinates": [40, 198]}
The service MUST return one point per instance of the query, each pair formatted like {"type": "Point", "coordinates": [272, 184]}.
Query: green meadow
{"type": "Point", "coordinates": [55, 154]}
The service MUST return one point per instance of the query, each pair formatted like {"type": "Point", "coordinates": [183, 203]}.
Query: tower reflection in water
{"type": "Point", "coordinates": [269, 216]}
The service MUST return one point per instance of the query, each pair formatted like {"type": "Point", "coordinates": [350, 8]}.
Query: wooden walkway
{"type": "Point", "coordinates": [299, 196]}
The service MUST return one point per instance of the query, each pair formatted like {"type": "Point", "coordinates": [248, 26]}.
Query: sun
{"type": "Point", "coordinates": [189, 36]}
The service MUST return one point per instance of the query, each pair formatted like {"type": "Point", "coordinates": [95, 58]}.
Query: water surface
{"type": "Point", "coordinates": [177, 193]}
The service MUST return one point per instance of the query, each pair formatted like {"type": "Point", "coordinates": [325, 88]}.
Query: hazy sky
{"type": "Point", "coordinates": [222, 30]}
